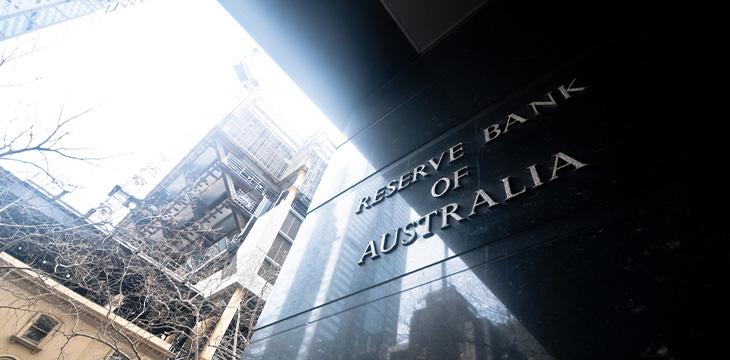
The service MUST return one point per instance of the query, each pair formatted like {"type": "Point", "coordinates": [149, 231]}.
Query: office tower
{"type": "Point", "coordinates": [565, 206]}
{"type": "Point", "coordinates": [18, 17]}
{"type": "Point", "coordinates": [224, 218]}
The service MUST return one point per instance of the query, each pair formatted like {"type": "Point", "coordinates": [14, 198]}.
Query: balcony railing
{"type": "Point", "coordinates": [248, 176]}
{"type": "Point", "coordinates": [301, 205]}
{"type": "Point", "coordinates": [241, 198]}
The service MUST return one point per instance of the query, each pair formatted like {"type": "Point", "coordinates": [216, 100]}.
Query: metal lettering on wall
{"type": "Point", "coordinates": [407, 234]}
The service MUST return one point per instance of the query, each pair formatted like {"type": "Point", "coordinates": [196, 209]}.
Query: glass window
{"type": "Point", "coordinates": [115, 356]}
{"type": "Point", "coordinates": [39, 329]}
{"type": "Point", "coordinates": [279, 249]}
{"type": "Point", "coordinates": [268, 271]}
{"type": "Point", "coordinates": [226, 227]}
{"type": "Point", "coordinates": [222, 244]}
{"type": "Point", "coordinates": [291, 226]}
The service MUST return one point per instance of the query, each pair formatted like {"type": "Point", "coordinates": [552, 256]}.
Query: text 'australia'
{"type": "Point", "coordinates": [446, 215]}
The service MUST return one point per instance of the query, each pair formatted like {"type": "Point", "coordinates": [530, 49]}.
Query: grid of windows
{"type": "Point", "coordinates": [20, 16]}
{"type": "Point", "coordinates": [279, 249]}
{"type": "Point", "coordinates": [291, 225]}
{"type": "Point", "coordinates": [315, 153]}
{"type": "Point", "coordinates": [268, 271]}
{"type": "Point", "coordinates": [253, 130]}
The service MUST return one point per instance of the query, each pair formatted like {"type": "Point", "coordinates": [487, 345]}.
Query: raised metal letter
{"type": "Point", "coordinates": [481, 199]}
{"type": "Point", "coordinates": [566, 92]}
{"type": "Point", "coordinates": [446, 188]}
{"type": "Point", "coordinates": [512, 119]}
{"type": "Point", "coordinates": [405, 180]}
{"type": "Point", "coordinates": [363, 201]}
{"type": "Point", "coordinates": [384, 240]}
{"type": "Point", "coordinates": [508, 189]}
{"type": "Point", "coordinates": [568, 162]}
{"type": "Point", "coordinates": [410, 233]}
{"type": "Point", "coordinates": [391, 188]}
{"type": "Point", "coordinates": [379, 196]}
{"type": "Point", "coordinates": [370, 249]}
{"type": "Point", "coordinates": [419, 171]}
{"type": "Point", "coordinates": [426, 219]}
{"type": "Point", "coordinates": [458, 148]}
{"type": "Point", "coordinates": [494, 129]}
{"type": "Point", "coordinates": [445, 213]}
{"type": "Point", "coordinates": [535, 104]}
{"type": "Point", "coordinates": [436, 165]}
{"type": "Point", "coordinates": [535, 178]}
{"type": "Point", "coordinates": [458, 175]}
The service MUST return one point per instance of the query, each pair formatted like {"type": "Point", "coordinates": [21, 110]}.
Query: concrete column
{"type": "Point", "coordinates": [216, 337]}
{"type": "Point", "coordinates": [294, 189]}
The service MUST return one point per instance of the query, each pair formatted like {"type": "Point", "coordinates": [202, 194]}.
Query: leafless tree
{"type": "Point", "coordinates": [133, 276]}
{"type": "Point", "coordinates": [139, 272]}
{"type": "Point", "coordinates": [11, 50]}
{"type": "Point", "coordinates": [31, 144]}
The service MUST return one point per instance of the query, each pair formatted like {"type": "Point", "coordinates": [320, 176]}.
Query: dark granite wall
{"type": "Point", "coordinates": [616, 247]}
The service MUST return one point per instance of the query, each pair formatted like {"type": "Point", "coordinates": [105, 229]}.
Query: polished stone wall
{"type": "Point", "coordinates": [545, 183]}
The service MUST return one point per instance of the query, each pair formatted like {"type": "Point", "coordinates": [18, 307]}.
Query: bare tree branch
{"type": "Point", "coordinates": [134, 272]}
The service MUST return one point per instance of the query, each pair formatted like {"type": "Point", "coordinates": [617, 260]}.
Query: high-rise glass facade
{"type": "Point", "coordinates": [256, 128]}
{"type": "Point", "coordinates": [18, 17]}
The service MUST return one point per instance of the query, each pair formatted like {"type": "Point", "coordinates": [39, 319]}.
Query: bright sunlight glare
{"type": "Point", "coordinates": [150, 79]}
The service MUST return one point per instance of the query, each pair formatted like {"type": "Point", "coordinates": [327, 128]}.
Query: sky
{"type": "Point", "coordinates": [150, 81]}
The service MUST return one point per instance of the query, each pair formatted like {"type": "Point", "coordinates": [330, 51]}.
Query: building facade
{"type": "Point", "coordinates": [520, 180]}
{"type": "Point", "coordinates": [224, 218]}
{"type": "Point", "coordinates": [43, 319]}
{"type": "Point", "coordinates": [242, 168]}
{"type": "Point", "coordinates": [18, 17]}
{"type": "Point", "coordinates": [47, 306]}
{"type": "Point", "coordinates": [187, 269]}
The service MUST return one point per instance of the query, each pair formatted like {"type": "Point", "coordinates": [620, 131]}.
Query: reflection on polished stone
{"type": "Point", "coordinates": [450, 325]}
{"type": "Point", "coordinates": [453, 317]}
{"type": "Point", "coordinates": [517, 195]}
{"type": "Point", "coordinates": [573, 261]}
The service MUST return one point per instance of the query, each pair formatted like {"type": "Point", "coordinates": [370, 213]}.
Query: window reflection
{"type": "Point", "coordinates": [460, 315]}
{"type": "Point", "coordinates": [332, 306]}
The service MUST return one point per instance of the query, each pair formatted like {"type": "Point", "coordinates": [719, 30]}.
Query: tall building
{"type": "Point", "coordinates": [215, 230]}
{"type": "Point", "coordinates": [255, 128]}
{"type": "Point", "coordinates": [18, 17]}
{"type": "Point", "coordinates": [240, 169]}
{"type": "Point", "coordinates": [559, 202]}
{"type": "Point", "coordinates": [224, 218]}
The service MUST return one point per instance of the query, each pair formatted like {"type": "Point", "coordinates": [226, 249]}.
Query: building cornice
{"type": "Point", "coordinates": [97, 311]}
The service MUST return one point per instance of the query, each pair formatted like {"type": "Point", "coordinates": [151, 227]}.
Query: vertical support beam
{"type": "Point", "coordinates": [294, 189]}
{"type": "Point", "coordinates": [192, 342]}
{"type": "Point", "coordinates": [216, 337]}
{"type": "Point", "coordinates": [228, 182]}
